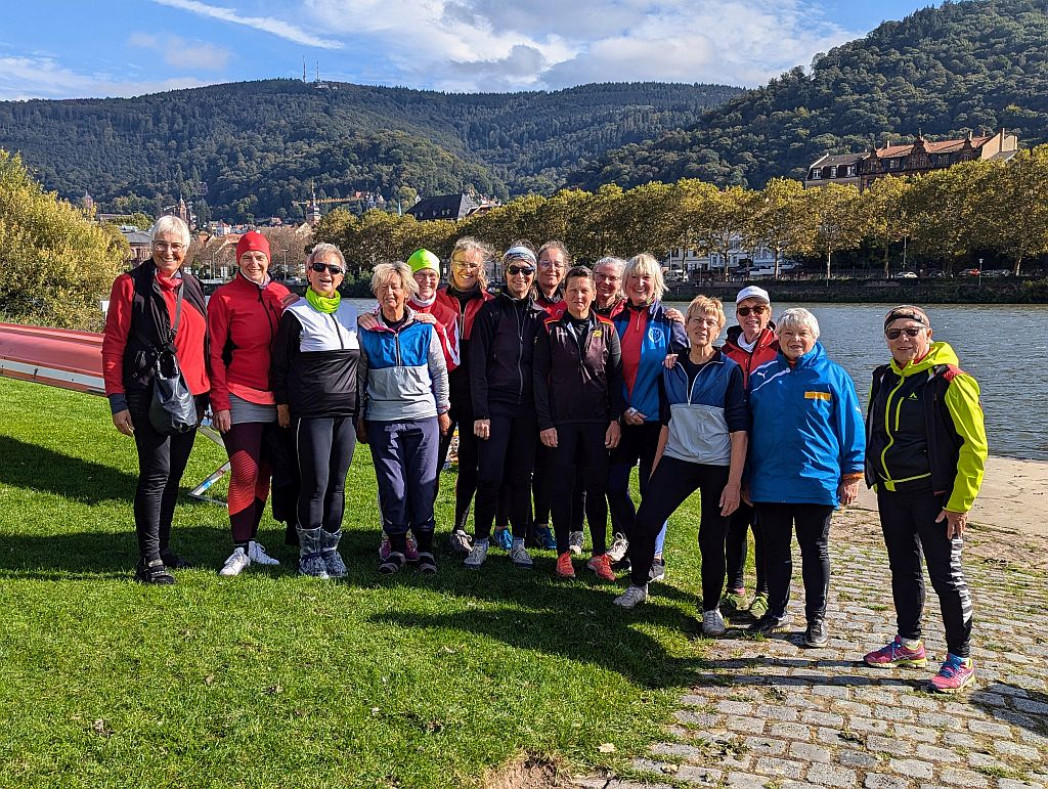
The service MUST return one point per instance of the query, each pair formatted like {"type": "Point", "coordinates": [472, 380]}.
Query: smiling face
{"type": "Point", "coordinates": [579, 295]}
{"type": "Point", "coordinates": [796, 340]}
{"type": "Point", "coordinates": [254, 265]}
{"type": "Point", "coordinates": [427, 280]}
{"type": "Point", "coordinates": [465, 269]}
{"type": "Point", "coordinates": [519, 276]}
{"type": "Point", "coordinates": [757, 318]}
{"type": "Point", "coordinates": [325, 282]}
{"type": "Point", "coordinates": [169, 253]}
{"type": "Point", "coordinates": [904, 348]}
{"type": "Point", "coordinates": [640, 288]}
{"type": "Point", "coordinates": [391, 296]}
{"type": "Point", "coordinates": [703, 328]}
{"type": "Point", "coordinates": [552, 267]}
{"type": "Point", "coordinates": [608, 281]}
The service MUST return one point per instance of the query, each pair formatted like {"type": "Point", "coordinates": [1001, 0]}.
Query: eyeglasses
{"type": "Point", "coordinates": [465, 266]}
{"type": "Point", "coordinates": [760, 309]}
{"type": "Point", "coordinates": [322, 267]}
{"type": "Point", "coordinates": [894, 334]}
{"type": "Point", "coordinates": [513, 271]}
{"type": "Point", "coordinates": [176, 247]}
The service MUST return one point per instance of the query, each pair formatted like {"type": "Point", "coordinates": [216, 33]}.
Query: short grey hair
{"type": "Point", "coordinates": [646, 264]}
{"type": "Point", "coordinates": [610, 260]}
{"type": "Point", "coordinates": [323, 250]}
{"type": "Point", "coordinates": [384, 272]}
{"type": "Point", "coordinates": [171, 224]}
{"type": "Point", "coordinates": [797, 318]}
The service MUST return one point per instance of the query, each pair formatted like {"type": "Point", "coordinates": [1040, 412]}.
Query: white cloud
{"type": "Point", "coordinates": [182, 54]}
{"type": "Point", "coordinates": [42, 77]}
{"type": "Point", "coordinates": [267, 24]}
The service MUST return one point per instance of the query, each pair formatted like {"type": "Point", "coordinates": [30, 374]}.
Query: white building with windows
{"type": "Point", "coordinates": [686, 265]}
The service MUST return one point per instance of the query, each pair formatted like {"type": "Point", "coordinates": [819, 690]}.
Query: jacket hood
{"type": "Point", "coordinates": [939, 353]}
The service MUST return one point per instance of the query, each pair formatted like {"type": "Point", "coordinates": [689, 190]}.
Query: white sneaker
{"type": "Point", "coordinates": [257, 553]}
{"type": "Point", "coordinates": [519, 555]}
{"type": "Point", "coordinates": [575, 543]}
{"type": "Point", "coordinates": [618, 549]}
{"type": "Point", "coordinates": [235, 564]}
{"type": "Point", "coordinates": [713, 623]}
{"type": "Point", "coordinates": [477, 554]}
{"type": "Point", "coordinates": [632, 597]}
{"type": "Point", "coordinates": [459, 542]}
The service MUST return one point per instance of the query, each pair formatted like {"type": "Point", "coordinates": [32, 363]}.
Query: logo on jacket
{"type": "Point", "coordinates": [655, 335]}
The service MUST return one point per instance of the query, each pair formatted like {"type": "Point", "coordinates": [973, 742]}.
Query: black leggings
{"type": "Point", "coordinates": [468, 449]}
{"type": "Point", "coordinates": [910, 530]}
{"type": "Point", "coordinates": [325, 449]}
{"type": "Point", "coordinates": [161, 463]}
{"type": "Point", "coordinates": [509, 454]}
{"type": "Point", "coordinates": [813, 531]}
{"type": "Point", "coordinates": [580, 446]}
{"type": "Point", "coordinates": [638, 442]}
{"type": "Point", "coordinates": [735, 548]}
{"type": "Point", "coordinates": [671, 483]}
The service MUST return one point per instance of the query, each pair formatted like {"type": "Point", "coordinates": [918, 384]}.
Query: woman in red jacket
{"type": "Point", "coordinates": [154, 306]}
{"type": "Point", "coordinates": [242, 319]}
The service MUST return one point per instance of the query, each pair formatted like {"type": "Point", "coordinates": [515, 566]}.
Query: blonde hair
{"type": "Point", "coordinates": [706, 305]}
{"type": "Point", "coordinates": [646, 264]}
{"type": "Point", "coordinates": [466, 245]}
{"type": "Point", "coordinates": [384, 272]}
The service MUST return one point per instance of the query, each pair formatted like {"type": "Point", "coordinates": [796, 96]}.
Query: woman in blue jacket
{"type": "Point", "coordinates": [806, 456]}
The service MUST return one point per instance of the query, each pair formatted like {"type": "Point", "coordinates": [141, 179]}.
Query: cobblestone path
{"type": "Point", "coordinates": [772, 714]}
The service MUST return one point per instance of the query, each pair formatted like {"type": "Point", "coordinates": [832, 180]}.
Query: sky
{"type": "Point", "coordinates": [59, 49]}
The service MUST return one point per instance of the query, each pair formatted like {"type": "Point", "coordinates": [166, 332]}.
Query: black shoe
{"type": "Point", "coordinates": [622, 565]}
{"type": "Point", "coordinates": [657, 571]}
{"type": "Point", "coordinates": [153, 573]}
{"type": "Point", "coordinates": [392, 563]}
{"type": "Point", "coordinates": [426, 563]}
{"type": "Point", "coordinates": [816, 636]}
{"type": "Point", "coordinates": [173, 561]}
{"type": "Point", "coordinates": [769, 624]}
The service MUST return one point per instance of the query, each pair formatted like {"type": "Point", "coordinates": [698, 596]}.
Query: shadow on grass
{"type": "Point", "coordinates": [34, 467]}
{"type": "Point", "coordinates": [1014, 705]}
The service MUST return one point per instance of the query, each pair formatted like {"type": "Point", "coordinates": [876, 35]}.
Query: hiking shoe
{"type": "Point", "coordinates": [237, 562]}
{"type": "Point", "coordinates": [155, 572]}
{"type": "Point", "coordinates": [954, 675]}
{"type": "Point", "coordinates": [632, 597]}
{"type": "Point", "coordinates": [411, 552]}
{"type": "Point", "coordinates": [256, 552]}
{"type": "Point", "coordinates": [477, 554]}
{"type": "Point", "coordinates": [769, 624]}
{"type": "Point", "coordinates": [172, 561]}
{"type": "Point", "coordinates": [564, 567]}
{"type": "Point", "coordinates": [519, 555]}
{"type": "Point", "coordinates": [759, 605]}
{"type": "Point", "coordinates": [896, 654]}
{"type": "Point", "coordinates": [657, 571]}
{"type": "Point", "coordinates": [601, 565]}
{"type": "Point", "coordinates": [713, 623]}
{"type": "Point", "coordinates": [816, 636]}
{"type": "Point", "coordinates": [459, 542]}
{"type": "Point", "coordinates": [503, 539]}
{"type": "Point", "coordinates": [427, 564]}
{"type": "Point", "coordinates": [575, 543]}
{"type": "Point", "coordinates": [392, 563]}
{"type": "Point", "coordinates": [734, 602]}
{"type": "Point", "coordinates": [619, 546]}
{"type": "Point", "coordinates": [544, 538]}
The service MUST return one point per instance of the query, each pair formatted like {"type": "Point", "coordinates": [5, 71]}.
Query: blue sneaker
{"type": "Point", "coordinates": [544, 538]}
{"type": "Point", "coordinates": [503, 538]}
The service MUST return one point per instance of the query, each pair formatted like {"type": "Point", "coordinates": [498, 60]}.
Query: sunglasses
{"type": "Point", "coordinates": [513, 271]}
{"type": "Point", "coordinates": [894, 334]}
{"type": "Point", "coordinates": [760, 309]}
{"type": "Point", "coordinates": [322, 267]}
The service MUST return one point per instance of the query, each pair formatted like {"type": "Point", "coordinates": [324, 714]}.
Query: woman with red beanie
{"type": "Point", "coordinates": [242, 320]}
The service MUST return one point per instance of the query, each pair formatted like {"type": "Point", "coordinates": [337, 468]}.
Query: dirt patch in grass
{"type": "Point", "coordinates": [528, 772]}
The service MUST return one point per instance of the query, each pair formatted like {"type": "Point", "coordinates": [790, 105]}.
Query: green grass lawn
{"type": "Point", "coordinates": [272, 680]}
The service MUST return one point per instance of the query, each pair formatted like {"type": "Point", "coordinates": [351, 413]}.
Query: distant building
{"type": "Point", "coordinates": [141, 244]}
{"type": "Point", "coordinates": [916, 158]}
{"type": "Point", "coordinates": [453, 207]}
{"type": "Point", "coordinates": [688, 265]}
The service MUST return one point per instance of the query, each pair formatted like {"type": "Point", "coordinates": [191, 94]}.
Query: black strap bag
{"type": "Point", "coordinates": [172, 408]}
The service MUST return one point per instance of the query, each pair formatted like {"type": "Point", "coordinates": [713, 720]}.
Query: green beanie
{"type": "Point", "coordinates": [422, 259]}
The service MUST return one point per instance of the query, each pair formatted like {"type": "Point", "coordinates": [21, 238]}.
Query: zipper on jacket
{"type": "Point", "coordinates": [888, 426]}
{"type": "Point", "coordinates": [520, 351]}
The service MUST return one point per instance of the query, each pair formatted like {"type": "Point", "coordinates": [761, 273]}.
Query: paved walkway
{"type": "Point", "coordinates": [773, 714]}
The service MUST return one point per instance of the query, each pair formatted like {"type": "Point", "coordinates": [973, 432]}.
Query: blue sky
{"type": "Point", "coordinates": [87, 48]}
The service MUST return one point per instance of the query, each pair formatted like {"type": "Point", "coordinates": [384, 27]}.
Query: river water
{"type": "Point", "coordinates": [1004, 346]}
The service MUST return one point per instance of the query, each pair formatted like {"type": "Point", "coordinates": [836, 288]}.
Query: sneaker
{"type": "Point", "coordinates": [816, 636]}
{"type": "Point", "coordinates": [172, 561]}
{"type": "Point", "coordinates": [575, 543]}
{"type": "Point", "coordinates": [759, 605]}
{"type": "Point", "coordinates": [519, 555]}
{"type": "Point", "coordinates": [657, 571]}
{"type": "Point", "coordinates": [564, 567]}
{"type": "Point", "coordinates": [601, 565]}
{"type": "Point", "coordinates": [256, 552]}
{"type": "Point", "coordinates": [623, 565]}
{"type": "Point", "coordinates": [459, 542]}
{"type": "Point", "coordinates": [383, 548]}
{"type": "Point", "coordinates": [769, 624]}
{"type": "Point", "coordinates": [411, 552]}
{"type": "Point", "coordinates": [713, 623]}
{"type": "Point", "coordinates": [632, 597]}
{"type": "Point", "coordinates": [734, 602]}
{"type": "Point", "coordinates": [503, 539]}
{"type": "Point", "coordinates": [427, 564]}
{"type": "Point", "coordinates": [954, 675]}
{"type": "Point", "coordinates": [154, 573]}
{"type": "Point", "coordinates": [895, 655]}
{"type": "Point", "coordinates": [392, 563]}
{"type": "Point", "coordinates": [619, 546]}
{"type": "Point", "coordinates": [477, 554]}
{"type": "Point", "coordinates": [237, 562]}
{"type": "Point", "coordinates": [544, 538]}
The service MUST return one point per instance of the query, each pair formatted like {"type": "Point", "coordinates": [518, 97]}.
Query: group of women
{"type": "Point", "coordinates": [558, 386]}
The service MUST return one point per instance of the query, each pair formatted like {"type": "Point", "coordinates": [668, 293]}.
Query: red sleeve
{"type": "Point", "coordinates": [218, 331]}
{"type": "Point", "coordinates": [114, 339]}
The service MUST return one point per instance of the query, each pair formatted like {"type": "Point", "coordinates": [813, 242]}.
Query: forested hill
{"type": "Point", "coordinates": [253, 148]}
{"type": "Point", "coordinates": [944, 71]}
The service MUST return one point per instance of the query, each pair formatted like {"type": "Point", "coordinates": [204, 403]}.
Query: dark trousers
{"type": "Point", "coordinates": [405, 458]}
{"type": "Point", "coordinates": [673, 481]}
{"type": "Point", "coordinates": [508, 455]}
{"type": "Point", "coordinates": [248, 478]}
{"type": "Point", "coordinates": [812, 522]}
{"type": "Point", "coordinates": [324, 447]}
{"type": "Point", "coordinates": [466, 482]}
{"type": "Point", "coordinates": [638, 443]}
{"type": "Point", "coordinates": [741, 521]}
{"type": "Point", "coordinates": [580, 464]}
{"type": "Point", "coordinates": [161, 463]}
{"type": "Point", "coordinates": [910, 531]}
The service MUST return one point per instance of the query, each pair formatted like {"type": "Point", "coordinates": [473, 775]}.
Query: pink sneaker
{"type": "Point", "coordinates": [895, 654]}
{"type": "Point", "coordinates": [954, 675]}
{"type": "Point", "coordinates": [411, 554]}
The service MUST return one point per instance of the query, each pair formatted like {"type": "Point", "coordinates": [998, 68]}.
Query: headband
{"type": "Point", "coordinates": [522, 253]}
{"type": "Point", "coordinates": [908, 312]}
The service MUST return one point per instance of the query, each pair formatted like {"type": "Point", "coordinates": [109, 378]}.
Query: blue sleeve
{"type": "Point", "coordinates": [736, 406]}
{"type": "Point", "coordinates": [678, 337]}
{"type": "Point", "coordinates": [851, 431]}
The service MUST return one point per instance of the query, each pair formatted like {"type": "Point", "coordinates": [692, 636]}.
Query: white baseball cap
{"type": "Point", "coordinates": [753, 292]}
